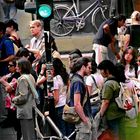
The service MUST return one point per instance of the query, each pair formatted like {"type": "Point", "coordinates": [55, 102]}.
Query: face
{"type": "Point", "coordinates": [104, 73]}
{"type": "Point", "coordinates": [88, 69]}
{"type": "Point", "coordinates": [121, 23]}
{"type": "Point", "coordinates": [35, 30]}
{"type": "Point", "coordinates": [18, 68]}
{"type": "Point", "coordinates": [11, 67]}
{"type": "Point", "coordinates": [9, 30]}
{"type": "Point", "coordinates": [138, 60]}
{"type": "Point", "coordinates": [128, 56]}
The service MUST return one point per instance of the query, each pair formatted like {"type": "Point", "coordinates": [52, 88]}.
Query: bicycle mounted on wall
{"type": "Point", "coordinates": [67, 17]}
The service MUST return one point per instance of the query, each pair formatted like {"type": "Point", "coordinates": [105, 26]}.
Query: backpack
{"type": "Point", "coordinates": [125, 101]}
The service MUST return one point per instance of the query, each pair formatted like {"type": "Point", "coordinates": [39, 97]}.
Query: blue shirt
{"type": "Point", "coordinates": [77, 87]}
{"type": "Point", "coordinates": [6, 49]}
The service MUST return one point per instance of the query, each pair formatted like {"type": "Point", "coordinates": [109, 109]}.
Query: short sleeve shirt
{"type": "Point", "coordinates": [6, 49]}
{"type": "Point", "coordinates": [134, 32]}
{"type": "Point", "coordinates": [110, 91]}
{"type": "Point", "coordinates": [76, 88]}
{"type": "Point", "coordinates": [104, 39]}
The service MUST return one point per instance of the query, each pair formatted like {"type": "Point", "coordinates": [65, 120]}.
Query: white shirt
{"type": "Point", "coordinates": [58, 84]}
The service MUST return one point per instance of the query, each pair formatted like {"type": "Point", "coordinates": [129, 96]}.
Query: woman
{"type": "Point", "coordinates": [24, 99]}
{"type": "Point", "coordinates": [10, 83]}
{"type": "Point", "coordinates": [133, 31]}
{"type": "Point", "coordinates": [129, 61]}
{"type": "Point", "coordinates": [109, 108]}
{"type": "Point", "coordinates": [94, 83]}
{"type": "Point", "coordinates": [60, 82]}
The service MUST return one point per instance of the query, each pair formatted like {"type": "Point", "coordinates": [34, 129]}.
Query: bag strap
{"type": "Point", "coordinates": [94, 81]}
{"type": "Point", "coordinates": [68, 93]}
{"type": "Point", "coordinates": [35, 94]}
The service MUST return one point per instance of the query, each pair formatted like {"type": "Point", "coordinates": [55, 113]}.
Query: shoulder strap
{"type": "Point", "coordinates": [94, 81]}
{"type": "Point", "coordinates": [35, 94]}
{"type": "Point", "coordinates": [76, 78]}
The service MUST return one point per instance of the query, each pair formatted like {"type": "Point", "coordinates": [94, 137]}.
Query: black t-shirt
{"type": "Point", "coordinates": [103, 38]}
{"type": "Point", "coordinates": [134, 32]}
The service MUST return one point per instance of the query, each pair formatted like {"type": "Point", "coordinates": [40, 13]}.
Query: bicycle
{"type": "Point", "coordinates": [66, 18]}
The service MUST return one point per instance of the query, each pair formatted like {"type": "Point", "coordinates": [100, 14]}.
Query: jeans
{"type": "Point", "coordinates": [9, 11]}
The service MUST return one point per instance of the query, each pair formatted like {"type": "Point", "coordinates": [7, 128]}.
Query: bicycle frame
{"type": "Point", "coordinates": [96, 4]}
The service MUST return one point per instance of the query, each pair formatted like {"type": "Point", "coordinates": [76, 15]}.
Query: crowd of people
{"type": "Point", "coordinates": [92, 83]}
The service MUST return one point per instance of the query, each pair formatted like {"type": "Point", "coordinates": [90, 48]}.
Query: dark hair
{"type": "Point", "coordinates": [120, 72]}
{"type": "Point", "coordinates": [59, 69]}
{"type": "Point", "coordinates": [2, 27]}
{"type": "Point", "coordinates": [133, 63]}
{"type": "Point", "coordinates": [26, 53]}
{"type": "Point", "coordinates": [79, 63]}
{"type": "Point", "coordinates": [76, 51]}
{"type": "Point", "coordinates": [10, 23]}
{"type": "Point", "coordinates": [25, 65]}
{"type": "Point", "coordinates": [119, 17]}
{"type": "Point", "coordinates": [107, 65]}
{"type": "Point", "coordinates": [93, 66]}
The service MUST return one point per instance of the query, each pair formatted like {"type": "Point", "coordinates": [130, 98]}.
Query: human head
{"type": "Point", "coordinates": [82, 64]}
{"type": "Point", "coordinates": [60, 69]}
{"type": "Point", "coordinates": [2, 29]}
{"type": "Point", "coordinates": [106, 68]}
{"type": "Point", "coordinates": [121, 20]}
{"type": "Point", "coordinates": [12, 66]}
{"type": "Point", "coordinates": [23, 66]}
{"type": "Point", "coordinates": [135, 16]}
{"type": "Point", "coordinates": [73, 56]}
{"type": "Point", "coordinates": [23, 52]}
{"type": "Point", "coordinates": [36, 27]}
{"type": "Point", "coordinates": [129, 56]}
{"type": "Point", "coordinates": [11, 24]}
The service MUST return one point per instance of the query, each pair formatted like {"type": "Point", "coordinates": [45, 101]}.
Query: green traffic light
{"type": "Point", "coordinates": [44, 10]}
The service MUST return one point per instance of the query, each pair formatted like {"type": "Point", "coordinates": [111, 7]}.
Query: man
{"type": "Point", "coordinates": [78, 92]}
{"type": "Point", "coordinates": [105, 37]}
{"type": "Point", "coordinates": [6, 50]}
{"type": "Point", "coordinates": [6, 55]}
{"type": "Point", "coordinates": [37, 43]}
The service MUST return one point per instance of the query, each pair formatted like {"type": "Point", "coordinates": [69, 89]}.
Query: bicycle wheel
{"type": "Point", "coordinates": [58, 25]}
{"type": "Point", "coordinates": [98, 17]}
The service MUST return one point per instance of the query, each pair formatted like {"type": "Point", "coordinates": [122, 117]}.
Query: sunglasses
{"type": "Point", "coordinates": [10, 65]}
{"type": "Point", "coordinates": [138, 60]}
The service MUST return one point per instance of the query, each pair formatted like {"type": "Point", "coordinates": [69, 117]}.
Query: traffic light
{"type": "Point", "coordinates": [44, 9]}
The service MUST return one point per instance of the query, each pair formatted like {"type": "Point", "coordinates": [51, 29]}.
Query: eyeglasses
{"type": "Point", "coordinates": [138, 60]}
{"type": "Point", "coordinates": [10, 65]}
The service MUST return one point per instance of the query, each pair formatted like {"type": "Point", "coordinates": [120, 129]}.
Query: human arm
{"type": "Point", "coordinates": [79, 108]}
{"type": "Point", "coordinates": [9, 58]}
{"type": "Point", "coordinates": [22, 92]}
{"type": "Point", "coordinates": [104, 107]}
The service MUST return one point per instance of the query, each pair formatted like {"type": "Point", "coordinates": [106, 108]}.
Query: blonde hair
{"type": "Point", "coordinates": [135, 16]}
{"type": "Point", "coordinates": [38, 23]}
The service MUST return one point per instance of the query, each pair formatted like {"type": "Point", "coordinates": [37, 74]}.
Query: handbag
{"type": "Point", "coordinates": [95, 95]}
